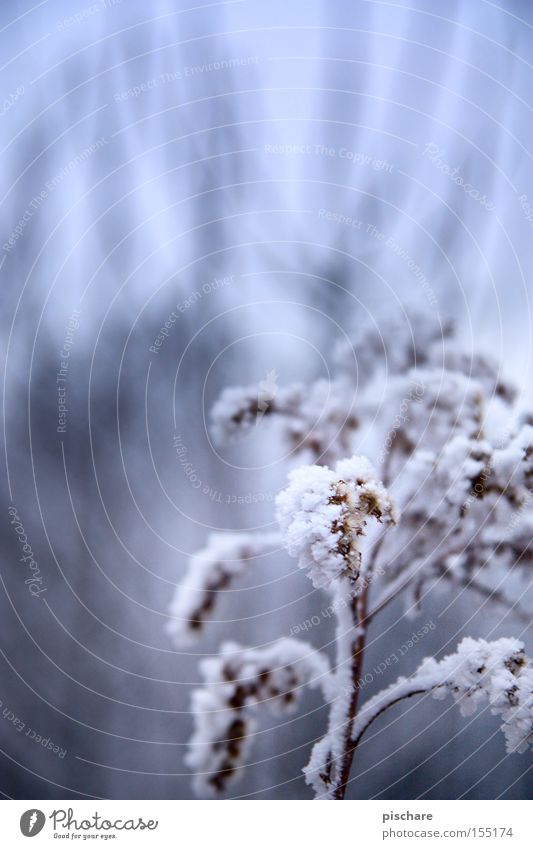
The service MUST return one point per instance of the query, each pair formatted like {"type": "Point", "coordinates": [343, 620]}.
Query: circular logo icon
{"type": "Point", "coordinates": [32, 822]}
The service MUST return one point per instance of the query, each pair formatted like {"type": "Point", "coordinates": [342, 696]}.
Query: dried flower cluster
{"type": "Point", "coordinates": [313, 422]}
{"type": "Point", "coordinates": [210, 573]}
{"type": "Point", "coordinates": [323, 514]}
{"type": "Point", "coordinates": [469, 506]}
{"type": "Point", "coordinates": [458, 392]}
{"type": "Point", "coordinates": [496, 672]}
{"type": "Point", "coordinates": [236, 681]}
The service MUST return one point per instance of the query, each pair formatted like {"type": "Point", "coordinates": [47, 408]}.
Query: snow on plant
{"type": "Point", "coordinates": [316, 422]}
{"type": "Point", "coordinates": [210, 574]}
{"type": "Point", "coordinates": [236, 681]}
{"type": "Point", "coordinates": [444, 506]}
{"type": "Point", "coordinates": [495, 672]}
{"type": "Point", "coordinates": [323, 514]}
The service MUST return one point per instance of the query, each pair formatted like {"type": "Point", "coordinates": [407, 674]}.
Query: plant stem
{"type": "Point", "coordinates": [359, 608]}
{"type": "Point", "coordinates": [360, 618]}
{"type": "Point", "coordinates": [359, 604]}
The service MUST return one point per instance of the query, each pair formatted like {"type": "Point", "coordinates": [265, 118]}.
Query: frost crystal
{"type": "Point", "coordinates": [464, 515]}
{"type": "Point", "coordinates": [498, 672]}
{"type": "Point", "coordinates": [210, 573]}
{"type": "Point", "coordinates": [313, 422]}
{"type": "Point", "coordinates": [236, 682]}
{"type": "Point", "coordinates": [323, 514]}
{"type": "Point", "coordinates": [239, 409]}
{"type": "Point", "coordinates": [450, 403]}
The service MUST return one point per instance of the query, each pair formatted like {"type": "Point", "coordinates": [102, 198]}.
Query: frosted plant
{"type": "Point", "coordinates": [442, 503]}
{"type": "Point", "coordinates": [236, 681]}
{"type": "Point", "coordinates": [323, 514]}
{"type": "Point", "coordinates": [315, 422]}
{"type": "Point", "coordinates": [211, 571]}
{"type": "Point", "coordinates": [495, 672]}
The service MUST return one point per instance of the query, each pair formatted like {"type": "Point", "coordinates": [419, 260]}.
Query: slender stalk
{"type": "Point", "coordinates": [359, 608]}
{"type": "Point", "coordinates": [361, 619]}
{"type": "Point", "coordinates": [358, 648]}
{"type": "Point", "coordinates": [357, 738]}
{"type": "Point", "coordinates": [495, 596]}
{"type": "Point", "coordinates": [392, 591]}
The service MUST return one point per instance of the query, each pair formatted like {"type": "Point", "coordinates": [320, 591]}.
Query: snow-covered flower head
{"type": "Point", "coordinates": [323, 513]}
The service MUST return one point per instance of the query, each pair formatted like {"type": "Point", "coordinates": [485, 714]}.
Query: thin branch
{"type": "Point", "coordinates": [359, 611]}
{"type": "Point", "coordinates": [386, 707]}
{"type": "Point", "coordinates": [492, 595]}
{"type": "Point", "coordinates": [404, 579]}
{"type": "Point", "coordinates": [392, 591]}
